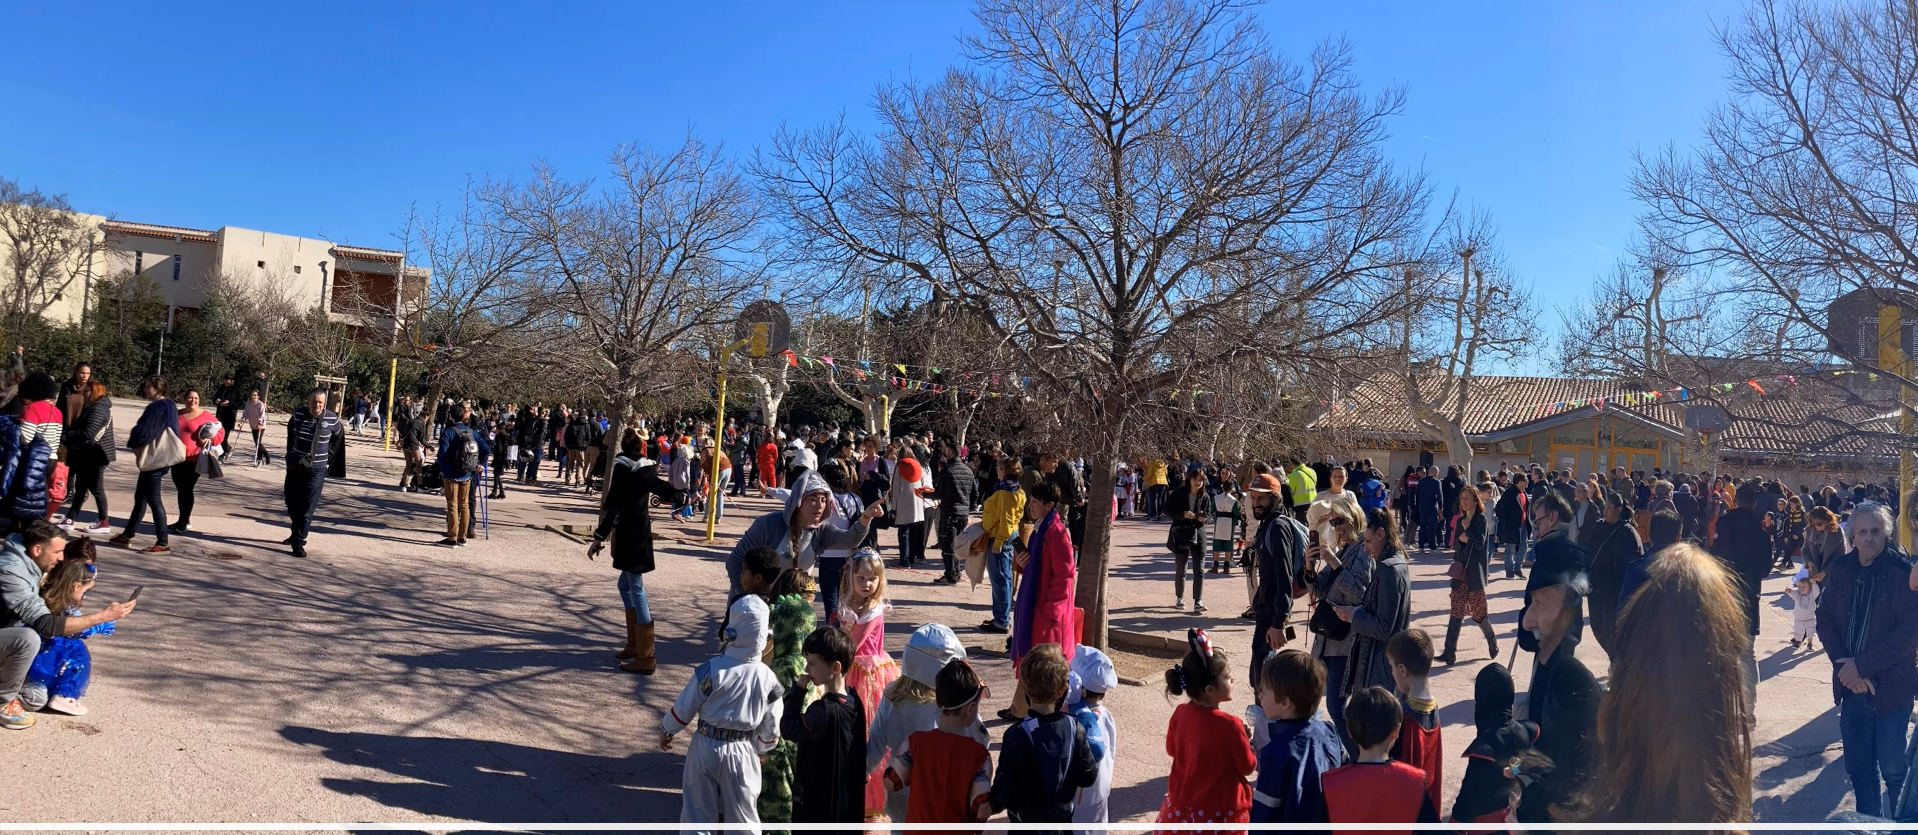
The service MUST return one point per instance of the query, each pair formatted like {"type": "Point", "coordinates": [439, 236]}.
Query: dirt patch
{"type": "Point", "coordinates": [1146, 668]}
{"type": "Point", "coordinates": [81, 728]}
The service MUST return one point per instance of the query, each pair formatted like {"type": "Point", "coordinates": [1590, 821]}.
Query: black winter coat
{"type": "Point", "coordinates": [1745, 548]}
{"type": "Point", "coordinates": [624, 520]}
{"type": "Point", "coordinates": [90, 442]}
{"type": "Point", "coordinates": [955, 487]}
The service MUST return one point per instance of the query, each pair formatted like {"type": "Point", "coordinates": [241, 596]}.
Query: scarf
{"type": "Point", "coordinates": [1027, 603]}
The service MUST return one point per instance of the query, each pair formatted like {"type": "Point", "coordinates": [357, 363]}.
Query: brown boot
{"type": "Point", "coordinates": [632, 636]}
{"type": "Point", "coordinates": [643, 662]}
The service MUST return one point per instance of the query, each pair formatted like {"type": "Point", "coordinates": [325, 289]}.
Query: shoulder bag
{"type": "Point", "coordinates": [160, 453]}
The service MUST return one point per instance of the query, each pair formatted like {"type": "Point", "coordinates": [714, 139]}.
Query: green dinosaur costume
{"type": "Point", "coordinates": [792, 621]}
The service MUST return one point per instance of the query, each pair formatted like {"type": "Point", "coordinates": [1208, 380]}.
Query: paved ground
{"type": "Point", "coordinates": [388, 679]}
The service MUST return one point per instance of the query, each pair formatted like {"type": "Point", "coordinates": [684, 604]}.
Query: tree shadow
{"type": "Point", "coordinates": [495, 781]}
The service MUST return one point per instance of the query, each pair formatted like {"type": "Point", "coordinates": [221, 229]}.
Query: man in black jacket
{"type": "Point", "coordinates": [957, 492]}
{"type": "Point", "coordinates": [1564, 695]}
{"type": "Point", "coordinates": [1745, 548]}
{"type": "Point", "coordinates": [1557, 557]}
{"type": "Point", "coordinates": [1279, 544]}
{"type": "Point", "coordinates": [313, 439]}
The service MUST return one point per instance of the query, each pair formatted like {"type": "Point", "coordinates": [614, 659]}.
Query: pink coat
{"type": "Point", "coordinates": [1044, 606]}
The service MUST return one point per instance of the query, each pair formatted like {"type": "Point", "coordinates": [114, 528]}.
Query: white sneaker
{"type": "Point", "coordinates": [1198, 608]}
{"type": "Point", "coordinates": [99, 528]}
{"type": "Point", "coordinates": [59, 519]}
{"type": "Point", "coordinates": [1179, 603]}
{"type": "Point", "coordinates": [67, 705]}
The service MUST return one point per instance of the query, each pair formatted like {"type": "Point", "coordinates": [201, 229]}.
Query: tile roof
{"type": "Point", "coordinates": [154, 230]}
{"type": "Point", "coordinates": [1793, 419]}
{"type": "Point", "coordinates": [390, 256]}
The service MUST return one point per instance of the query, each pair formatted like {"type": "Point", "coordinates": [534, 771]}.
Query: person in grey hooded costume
{"type": "Point", "coordinates": [809, 525]}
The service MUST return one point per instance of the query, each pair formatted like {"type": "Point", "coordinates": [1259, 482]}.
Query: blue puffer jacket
{"type": "Point", "coordinates": [28, 497]}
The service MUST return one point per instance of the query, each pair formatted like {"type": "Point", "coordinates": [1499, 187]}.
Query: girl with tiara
{"type": "Point", "coordinates": [862, 613]}
{"type": "Point", "coordinates": [64, 666]}
{"type": "Point", "coordinates": [1211, 756]}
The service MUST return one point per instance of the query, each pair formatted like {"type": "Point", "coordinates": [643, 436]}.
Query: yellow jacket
{"type": "Point", "coordinates": [1004, 509]}
{"type": "Point", "coordinates": [1155, 472]}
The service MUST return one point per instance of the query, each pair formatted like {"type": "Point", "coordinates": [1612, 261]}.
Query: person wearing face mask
{"type": "Point", "coordinates": [809, 525]}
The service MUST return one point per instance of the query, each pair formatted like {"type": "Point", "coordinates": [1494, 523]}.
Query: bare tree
{"type": "Point", "coordinates": [627, 278]}
{"type": "Point", "coordinates": [1458, 326]}
{"type": "Point", "coordinates": [1636, 323]}
{"type": "Point", "coordinates": [48, 248]}
{"type": "Point", "coordinates": [1799, 193]}
{"type": "Point", "coordinates": [1128, 193]}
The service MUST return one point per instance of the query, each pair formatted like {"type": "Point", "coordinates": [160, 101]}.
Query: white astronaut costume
{"type": "Point", "coordinates": [929, 649]}
{"type": "Point", "coordinates": [1092, 670]}
{"type": "Point", "coordinates": [736, 699]}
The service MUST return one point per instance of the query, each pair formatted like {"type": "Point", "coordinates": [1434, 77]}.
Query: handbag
{"type": "Point", "coordinates": [209, 465]}
{"type": "Point", "coordinates": [1456, 570]}
{"type": "Point", "coordinates": [56, 488]}
{"type": "Point", "coordinates": [160, 453]}
{"type": "Point", "coordinates": [1327, 623]}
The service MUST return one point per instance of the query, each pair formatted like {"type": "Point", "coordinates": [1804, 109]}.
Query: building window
{"type": "Point", "coordinates": [176, 266]}
{"type": "Point", "coordinates": [261, 264]}
{"type": "Point", "coordinates": [296, 269]}
{"type": "Point", "coordinates": [138, 259]}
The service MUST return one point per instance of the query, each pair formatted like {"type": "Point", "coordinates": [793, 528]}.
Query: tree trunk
{"type": "Point", "coordinates": [1459, 448]}
{"type": "Point", "coordinates": [616, 428]}
{"type": "Point", "coordinates": [1094, 561]}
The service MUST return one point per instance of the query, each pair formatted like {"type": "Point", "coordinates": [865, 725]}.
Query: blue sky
{"type": "Point", "coordinates": [330, 119]}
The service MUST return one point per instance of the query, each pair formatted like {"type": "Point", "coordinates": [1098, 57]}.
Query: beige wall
{"type": "Point", "coordinates": [243, 251]}
{"type": "Point", "coordinates": [155, 259]}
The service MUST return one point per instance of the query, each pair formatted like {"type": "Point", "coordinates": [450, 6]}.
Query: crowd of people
{"type": "Point", "coordinates": [1342, 726]}
{"type": "Point", "coordinates": [804, 716]}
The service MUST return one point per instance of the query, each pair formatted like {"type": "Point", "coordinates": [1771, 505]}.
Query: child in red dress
{"type": "Point", "coordinates": [1211, 756]}
{"type": "Point", "coordinates": [1375, 788]}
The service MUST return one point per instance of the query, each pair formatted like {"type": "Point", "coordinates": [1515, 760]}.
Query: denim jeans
{"type": "Point", "coordinates": [1874, 744]}
{"type": "Point", "coordinates": [999, 571]}
{"type": "Point", "coordinates": [829, 571]}
{"type": "Point", "coordinates": [632, 592]}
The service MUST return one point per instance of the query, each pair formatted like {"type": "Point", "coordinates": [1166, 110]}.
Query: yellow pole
{"type": "Point", "coordinates": [386, 423]}
{"type": "Point", "coordinates": [1891, 357]}
{"type": "Point", "coordinates": [719, 421]}
{"type": "Point", "coordinates": [885, 417]}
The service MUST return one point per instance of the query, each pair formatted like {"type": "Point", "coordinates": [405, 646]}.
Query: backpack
{"type": "Point", "coordinates": [467, 449]}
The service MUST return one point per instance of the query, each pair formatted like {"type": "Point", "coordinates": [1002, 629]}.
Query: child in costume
{"type": "Point", "coordinates": [910, 705]}
{"type": "Point", "coordinates": [1300, 747]}
{"type": "Point", "coordinates": [1410, 654]}
{"type": "Point", "coordinates": [862, 613]}
{"type": "Point", "coordinates": [947, 768]}
{"type": "Point", "coordinates": [1211, 756]}
{"type": "Point", "coordinates": [1092, 678]}
{"type": "Point", "coordinates": [1375, 788]}
{"type": "Point", "coordinates": [829, 736]}
{"type": "Point", "coordinates": [736, 701]}
{"type": "Point", "coordinates": [1227, 526]}
{"type": "Point", "coordinates": [63, 667]}
{"type": "Point", "coordinates": [792, 620]}
{"type": "Point", "coordinates": [1487, 795]}
{"type": "Point", "coordinates": [1044, 759]}
{"type": "Point", "coordinates": [1804, 610]}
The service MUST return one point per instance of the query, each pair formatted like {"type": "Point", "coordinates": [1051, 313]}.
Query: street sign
{"type": "Point", "coordinates": [1706, 418]}
{"type": "Point", "coordinates": [765, 327]}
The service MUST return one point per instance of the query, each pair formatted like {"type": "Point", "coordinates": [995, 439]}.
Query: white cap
{"type": "Point", "coordinates": [1094, 669]}
{"type": "Point", "coordinates": [928, 651]}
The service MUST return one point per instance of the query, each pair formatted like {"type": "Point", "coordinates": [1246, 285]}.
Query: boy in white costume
{"type": "Point", "coordinates": [1093, 677]}
{"type": "Point", "coordinates": [736, 699]}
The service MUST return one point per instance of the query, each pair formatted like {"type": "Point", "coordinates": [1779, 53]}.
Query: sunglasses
{"type": "Point", "coordinates": [1338, 521]}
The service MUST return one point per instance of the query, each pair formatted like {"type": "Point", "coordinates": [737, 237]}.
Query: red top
{"type": "Point", "coordinates": [1388, 792]}
{"type": "Point", "coordinates": [40, 418]}
{"type": "Point", "coordinates": [190, 432]}
{"type": "Point", "coordinates": [947, 774]}
{"type": "Point", "coordinates": [1419, 747]}
{"type": "Point", "coordinates": [1211, 758]}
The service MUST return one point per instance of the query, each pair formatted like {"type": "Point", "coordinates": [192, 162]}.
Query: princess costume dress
{"type": "Point", "coordinates": [872, 671]}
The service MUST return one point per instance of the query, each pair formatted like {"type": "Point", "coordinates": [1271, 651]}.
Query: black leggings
{"type": "Point", "coordinates": [1179, 558]}
{"type": "Point", "coordinates": [185, 475]}
{"type": "Point", "coordinates": [86, 479]}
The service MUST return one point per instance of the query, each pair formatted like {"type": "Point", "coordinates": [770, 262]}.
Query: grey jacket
{"type": "Point", "coordinates": [20, 603]}
{"type": "Point", "coordinates": [837, 533]}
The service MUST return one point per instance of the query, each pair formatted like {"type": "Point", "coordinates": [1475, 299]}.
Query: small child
{"type": "Point", "coordinates": [1092, 678]}
{"type": "Point", "coordinates": [911, 705]}
{"type": "Point", "coordinates": [1410, 654]}
{"type": "Point", "coordinates": [1301, 748]}
{"type": "Point", "coordinates": [829, 735]}
{"type": "Point", "coordinates": [736, 700]}
{"type": "Point", "coordinates": [1226, 525]}
{"type": "Point", "coordinates": [1486, 795]}
{"type": "Point", "coordinates": [862, 613]}
{"type": "Point", "coordinates": [1211, 756]}
{"type": "Point", "coordinates": [792, 621]}
{"type": "Point", "coordinates": [64, 666]}
{"type": "Point", "coordinates": [948, 769]}
{"type": "Point", "coordinates": [1044, 759]}
{"type": "Point", "coordinates": [1375, 789]}
{"type": "Point", "coordinates": [1804, 610]}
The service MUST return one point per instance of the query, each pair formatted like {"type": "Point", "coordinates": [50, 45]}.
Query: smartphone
{"type": "Point", "coordinates": [136, 593]}
{"type": "Point", "coordinates": [1291, 634]}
